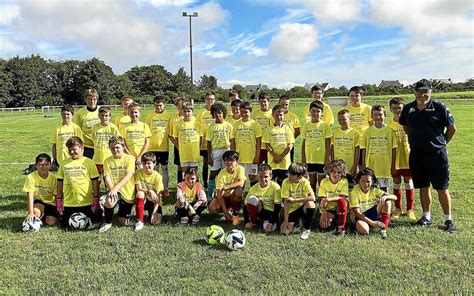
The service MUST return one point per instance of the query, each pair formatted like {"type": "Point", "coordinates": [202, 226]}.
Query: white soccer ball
{"type": "Point", "coordinates": [78, 221]}
{"type": "Point", "coordinates": [235, 239]}
{"type": "Point", "coordinates": [31, 226]}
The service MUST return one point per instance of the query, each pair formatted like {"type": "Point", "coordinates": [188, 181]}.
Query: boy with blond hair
{"type": "Point", "coordinates": [124, 117]}
{"type": "Point", "coordinates": [263, 116]}
{"type": "Point", "coordinates": [101, 134]}
{"type": "Point", "coordinates": [136, 134]}
{"type": "Point", "coordinates": [205, 119]}
{"type": "Point", "coordinates": [290, 119]}
{"type": "Point", "coordinates": [61, 134]}
{"type": "Point", "coordinates": [86, 118]}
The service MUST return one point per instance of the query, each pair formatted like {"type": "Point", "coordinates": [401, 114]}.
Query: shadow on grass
{"type": "Point", "coordinates": [13, 202]}
{"type": "Point", "coordinates": [217, 247]}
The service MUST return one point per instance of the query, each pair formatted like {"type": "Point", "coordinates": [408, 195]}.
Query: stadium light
{"type": "Point", "coordinates": [190, 16]}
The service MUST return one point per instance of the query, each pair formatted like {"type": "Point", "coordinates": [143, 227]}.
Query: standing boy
{"type": "Point", "coordinates": [63, 133]}
{"type": "Point", "coordinates": [101, 134]}
{"type": "Point", "coordinates": [136, 134]}
{"type": "Point", "coordinates": [86, 118]}
{"type": "Point", "coordinates": [290, 119]}
{"type": "Point", "coordinates": [262, 116]}
{"type": "Point", "coordinates": [327, 116]}
{"type": "Point", "coordinates": [204, 119]}
{"type": "Point", "coordinates": [360, 112]}
{"type": "Point", "coordinates": [124, 118]}
{"type": "Point", "coordinates": [180, 102]}
{"type": "Point", "coordinates": [187, 138]}
{"type": "Point", "coordinates": [235, 116]}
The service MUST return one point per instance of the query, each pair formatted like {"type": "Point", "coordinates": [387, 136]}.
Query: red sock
{"type": "Point", "coordinates": [398, 193]}
{"type": "Point", "coordinates": [341, 212]}
{"type": "Point", "coordinates": [385, 219]}
{"type": "Point", "coordinates": [140, 204]}
{"type": "Point", "coordinates": [410, 198]}
{"type": "Point", "coordinates": [236, 206]}
{"type": "Point", "coordinates": [253, 213]}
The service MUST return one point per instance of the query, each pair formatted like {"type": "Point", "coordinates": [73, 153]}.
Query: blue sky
{"type": "Point", "coordinates": [280, 43]}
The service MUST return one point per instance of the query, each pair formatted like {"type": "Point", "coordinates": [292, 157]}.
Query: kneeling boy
{"type": "Point", "coordinates": [190, 197]}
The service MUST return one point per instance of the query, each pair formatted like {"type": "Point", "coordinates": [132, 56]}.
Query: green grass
{"type": "Point", "coordinates": [173, 259]}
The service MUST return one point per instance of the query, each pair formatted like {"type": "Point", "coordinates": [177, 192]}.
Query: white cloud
{"type": "Point", "coordinates": [334, 11]}
{"type": "Point", "coordinates": [9, 13]}
{"type": "Point", "coordinates": [217, 54]}
{"type": "Point", "coordinates": [8, 47]}
{"type": "Point", "coordinates": [211, 14]}
{"type": "Point", "coordinates": [177, 3]}
{"type": "Point", "coordinates": [293, 41]}
{"type": "Point", "coordinates": [258, 52]}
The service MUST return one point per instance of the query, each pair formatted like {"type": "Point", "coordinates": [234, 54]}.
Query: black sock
{"type": "Point", "coordinates": [308, 218]}
{"type": "Point", "coordinates": [108, 213]}
{"type": "Point", "coordinates": [180, 176]}
{"type": "Point", "coordinates": [205, 175]}
{"type": "Point", "coordinates": [181, 212]}
{"type": "Point", "coordinates": [200, 209]}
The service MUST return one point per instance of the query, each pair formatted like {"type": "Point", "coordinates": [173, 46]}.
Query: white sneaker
{"type": "Point", "coordinates": [184, 220]}
{"type": "Point", "coordinates": [305, 234]}
{"type": "Point", "coordinates": [105, 227]}
{"type": "Point", "coordinates": [138, 226]}
{"type": "Point", "coordinates": [196, 219]}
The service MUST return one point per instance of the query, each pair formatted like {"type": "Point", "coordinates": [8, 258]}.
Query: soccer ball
{"type": "Point", "coordinates": [31, 226]}
{"type": "Point", "coordinates": [215, 234]}
{"type": "Point", "coordinates": [235, 239]}
{"type": "Point", "coordinates": [78, 221]}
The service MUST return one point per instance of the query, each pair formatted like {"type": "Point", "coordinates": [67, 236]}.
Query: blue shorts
{"type": "Point", "coordinates": [371, 214]}
{"type": "Point", "coordinates": [430, 168]}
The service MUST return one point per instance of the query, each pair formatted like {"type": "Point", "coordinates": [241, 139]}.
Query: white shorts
{"type": "Point", "coordinates": [189, 164]}
{"type": "Point", "coordinates": [383, 182]}
{"type": "Point", "coordinates": [217, 162]}
{"type": "Point", "coordinates": [250, 168]}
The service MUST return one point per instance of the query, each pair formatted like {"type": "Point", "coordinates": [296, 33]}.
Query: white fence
{"type": "Point", "coordinates": [17, 111]}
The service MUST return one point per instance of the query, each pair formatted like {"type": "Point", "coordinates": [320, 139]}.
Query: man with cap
{"type": "Point", "coordinates": [430, 126]}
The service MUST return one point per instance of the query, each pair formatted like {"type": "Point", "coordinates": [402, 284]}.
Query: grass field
{"type": "Point", "coordinates": [175, 259]}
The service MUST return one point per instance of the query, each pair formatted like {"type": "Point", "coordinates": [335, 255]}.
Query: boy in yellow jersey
{"type": "Point", "coordinates": [119, 179]}
{"type": "Point", "coordinates": [149, 185]}
{"type": "Point", "coordinates": [298, 201]}
{"type": "Point", "coordinates": [191, 198]}
{"type": "Point", "coordinates": [332, 193]}
{"type": "Point", "coordinates": [40, 187]}
{"type": "Point", "coordinates": [247, 141]}
{"type": "Point", "coordinates": [159, 123]}
{"type": "Point", "coordinates": [86, 118]}
{"type": "Point", "coordinates": [370, 206]}
{"type": "Point", "coordinates": [316, 145]}
{"type": "Point", "coordinates": [78, 185]}
{"type": "Point", "coordinates": [235, 116]}
{"type": "Point", "coordinates": [61, 134]}
{"type": "Point", "coordinates": [218, 137]}
{"type": "Point", "coordinates": [401, 163]}
{"type": "Point", "coordinates": [136, 134]}
{"type": "Point", "coordinates": [101, 134]}
{"type": "Point", "coordinates": [327, 116]}
{"type": "Point", "coordinates": [263, 201]}
{"type": "Point", "coordinates": [345, 144]}
{"type": "Point", "coordinates": [124, 118]}
{"type": "Point", "coordinates": [378, 148]}
{"type": "Point", "coordinates": [279, 140]}
{"type": "Point", "coordinates": [262, 116]}
{"type": "Point", "coordinates": [360, 112]}
{"type": "Point", "coordinates": [187, 138]}
{"type": "Point", "coordinates": [231, 96]}
{"type": "Point", "coordinates": [204, 119]}
{"type": "Point", "coordinates": [180, 102]}
{"type": "Point", "coordinates": [290, 119]}
{"type": "Point", "coordinates": [229, 185]}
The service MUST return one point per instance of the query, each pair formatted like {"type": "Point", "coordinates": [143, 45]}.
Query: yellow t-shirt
{"type": "Point", "coordinates": [364, 201]}
{"type": "Point", "coordinates": [231, 120]}
{"type": "Point", "coordinates": [77, 185]}
{"type": "Point", "coordinates": [134, 135]}
{"type": "Point", "coordinates": [378, 144]}
{"type": "Point", "coordinates": [189, 135]}
{"type": "Point", "coordinates": [296, 190]}
{"type": "Point", "coordinates": [263, 118]}
{"type": "Point", "coordinates": [269, 196]}
{"type": "Point", "coordinates": [328, 189]}
{"type": "Point", "coordinates": [345, 143]}
{"type": "Point", "coordinates": [60, 136]}
{"type": "Point", "coordinates": [191, 194]}
{"type": "Point", "coordinates": [101, 135]}
{"type": "Point", "coordinates": [327, 115]}
{"type": "Point", "coordinates": [86, 121]}
{"type": "Point", "coordinates": [279, 138]}
{"type": "Point", "coordinates": [116, 169]}
{"type": "Point", "coordinates": [290, 119]}
{"type": "Point", "coordinates": [360, 116]}
{"type": "Point", "coordinates": [205, 119]}
{"type": "Point", "coordinates": [403, 148]}
{"type": "Point", "coordinates": [149, 182]}
{"type": "Point", "coordinates": [219, 134]}
{"type": "Point", "coordinates": [224, 177]}
{"type": "Point", "coordinates": [245, 135]}
{"type": "Point", "coordinates": [122, 119]}
{"type": "Point", "coordinates": [159, 124]}
{"type": "Point", "coordinates": [43, 189]}
{"type": "Point", "coordinates": [315, 135]}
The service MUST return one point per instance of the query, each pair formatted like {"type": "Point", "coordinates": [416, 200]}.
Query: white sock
{"type": "Point", "coordinates": [427, 215]}
{"type": "Point", "coordinates": [447, 217]}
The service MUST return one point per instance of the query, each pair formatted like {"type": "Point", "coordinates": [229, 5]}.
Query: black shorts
{"type": "Point", "coordinates": [265, 215]}
{"type": "Point", "coordinates": [263, 156]}
{"type": "Point", "coordinates": [204, 155]}
{"type": "Point", "coordinates": [149, 205]}
{"type": "Point", "coordinates": [296, 215]}
{"type": "Point", "coordinates": [176, 156]}
{"type": "Point", "coordinates": [88, 152]}
{"type": "Point", "coordinates": [125, 209]}
{"type": "Point", "coordinates": [280, 175]}
{"type": "Point", "coordinates": [162, 157]}
{"type": "Point", "coordinates": [68, 211]}
{"type": "Point", "coordinates": [49, 210]}
{"type": "Point", "coordinates": [430, 167]}
{"type": "Point", "coordinates": [315, 168]}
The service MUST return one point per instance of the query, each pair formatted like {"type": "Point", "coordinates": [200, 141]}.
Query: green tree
{"type": "Point", "coordinates": [299, 92]}
{"type": "Point", "coordinates": [94, 73]}
{"type": "Point", "coordinates": [207, 82]}
{"type": "Point", "coordinates": [149, 80]}
{"type": "Point", "coordinates": [181, 82]}
{"type": "Point", "coordinates": [5, 85]}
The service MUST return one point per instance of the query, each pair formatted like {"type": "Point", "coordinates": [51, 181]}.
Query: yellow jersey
{"type": "Point", "coordinates": [122, 119]}
{"type": "Point", "coordinates": [269, 196]}
{"type": "Point", "coordinates": [231, 120]}
{"type": "Point", "coordinates": [327, 115]}
{"type": "Point", "coordinates": [403, 147]}
{"type": "Point", "coordinates": [344, 144]}
{"type": "Point", "coordinates": [378, 144]}
{"type": "Point", "coordinates": [189, 135]}
{"type": "Point", "coordinates": [159, 124]}
{"type": "Point", "coordinates": [279, 137]}
{"type": "Point", "coordinates": [315, 135]}
{"type": "Point", "coordinates": [329, 189]}
{"type": "Point", "coordinates": [296, 190]}
{"type": "Point", "coordinates": [154, 181]}
{"type": "Point", "coordinates": [225, 178]}
{"type": "Point", "coordinates": [263, 118]}
{"type": "Point", "coordinates": [60, 135]}
{"type": "Point", "coordinates": [219, 134]}
{"type": "Point", "coordinates": [116, 169]}
{"type": "Point", "coordinates": [364, 201]}
{"type": "Point", "coordinates": [204, 118]}
{"type": "Point", "coordinates": [86, 120]}
{"type": "Point", "coordinates": [245, 135]}
{"type": "Point", "coordinates": [134, 135]}
{"type": "Point", "coordinates": [42, 189]}
{"type": "Point", "coordinates": [101, 135]}
{"type": "Point", "coordinates": [360, 116]}
{"type": "Point", "coordinates": [290, 119]}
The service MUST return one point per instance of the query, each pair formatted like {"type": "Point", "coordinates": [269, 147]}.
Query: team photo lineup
{"type": "Point", "coordinates": [237, 162]}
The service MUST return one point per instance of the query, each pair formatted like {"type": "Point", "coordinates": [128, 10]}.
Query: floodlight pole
{"type": "Point", "coordinates": [190, 16]}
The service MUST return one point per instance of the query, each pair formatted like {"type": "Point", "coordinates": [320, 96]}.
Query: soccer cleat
{"type": "Point", "coordinates": [411, 215]}
{"type": "Point", "coordinates": [397, 213]}
{"type": "Point", "coordinates": [449, 226]}
{"type": "Point", "coordinates": [235, 220]}
{"type": "Point", "coordinates": [424, 222]}
{"type": "Point", "coordinates": [166, 193]}
{"type": "Point", "coordinates": [195, 219]}
{"type": "Point", "coordinates": [340, 231]}
{"type": "Point", "coordinates": [305, 234]}
{"type": "Point", "coordinates": [138, 226]}
{"type": "Point", "coordinates": [105, 227]}
{"type": "Point", "coordinates": [383, 234]}
{"type": "Point", "coordinates": [92, 225]}
{"type": "Point", "coordinates": [184, 220]}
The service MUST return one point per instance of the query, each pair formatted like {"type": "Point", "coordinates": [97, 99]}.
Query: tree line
{"type": "Point", "coordinates": [34, 81]}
